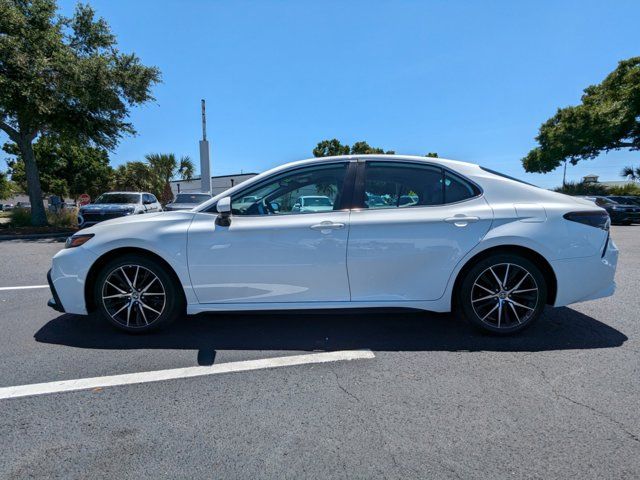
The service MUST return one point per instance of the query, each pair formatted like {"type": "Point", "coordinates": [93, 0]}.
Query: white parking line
{"type": "Point", "coordinates": [24, 288]}
{"type": "Point", "coordinates": [175, 373]}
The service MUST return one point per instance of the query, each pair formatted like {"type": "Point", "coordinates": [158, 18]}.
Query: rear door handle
{"type": "Point", "coordinates": [327, 225]}
{"type": "Point", "coordinates": [461, 220]}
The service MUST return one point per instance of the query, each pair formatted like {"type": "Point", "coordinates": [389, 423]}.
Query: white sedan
{"type": "Point", "coordinates": [491, 248]}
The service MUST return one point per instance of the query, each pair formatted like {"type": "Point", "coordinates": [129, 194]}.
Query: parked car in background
{"type": "Point", "coordinates": [312, 204]}
{"type": "Point", "coordinates": [186, 201]}
{"type": "Point", "coordinates": [625, 199]}
{"type": "Point", "coordinates": [619, 213]}
{"type": "Point", "coordinates": [117, 204]}
{"type": "Point", "coordinates": [25, 205]}
{"type": "Point", "coordinates": [5, 207]}
{"type": "Point", "coordinates": [494, 249]}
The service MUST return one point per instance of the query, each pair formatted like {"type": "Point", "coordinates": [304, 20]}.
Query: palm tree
{"type": "Point", "coordinates": [164, 167]}
{"type": "Point", "coordinates": [631, 173]}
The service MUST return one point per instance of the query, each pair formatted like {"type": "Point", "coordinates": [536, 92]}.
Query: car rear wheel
{"type": "Point", "coordinates": [503, 294]}
{"type": "Point", "coordinates": [137, 295]}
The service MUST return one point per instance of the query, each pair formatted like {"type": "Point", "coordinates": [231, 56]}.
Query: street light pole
{"type": "Point", "coordinates": [205, 166]}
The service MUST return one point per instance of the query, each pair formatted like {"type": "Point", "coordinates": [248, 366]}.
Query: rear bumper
{"type": "Point", "coordinates": [587, 278]}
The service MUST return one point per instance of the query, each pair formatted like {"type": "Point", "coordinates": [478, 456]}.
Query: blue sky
{"type": "Point", "coordinates": [470, 80]}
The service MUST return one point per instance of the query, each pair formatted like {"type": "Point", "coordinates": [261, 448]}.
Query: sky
{"type": "Point", "coordinates": [470, 80]}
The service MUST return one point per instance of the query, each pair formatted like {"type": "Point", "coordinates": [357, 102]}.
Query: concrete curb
{"type": "Point", "coordinates": [36, 236]}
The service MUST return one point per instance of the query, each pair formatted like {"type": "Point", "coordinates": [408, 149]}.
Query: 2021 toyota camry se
{"type": "Point", "coordinates": [402, 231]}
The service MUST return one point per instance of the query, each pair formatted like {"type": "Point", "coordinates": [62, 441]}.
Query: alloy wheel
{"type": "Point", "coordinates": [133, 296]}
{"type": "Point", "coordinates": [504, 295]}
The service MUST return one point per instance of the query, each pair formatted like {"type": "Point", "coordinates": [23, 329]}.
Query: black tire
{"type": "Point", "coordinates": [487, 304]}
{"type": "Point", "coordinates": [151, 283]}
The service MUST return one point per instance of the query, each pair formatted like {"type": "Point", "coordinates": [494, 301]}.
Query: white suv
{"type": "Point", "coordinates": [117, 204]}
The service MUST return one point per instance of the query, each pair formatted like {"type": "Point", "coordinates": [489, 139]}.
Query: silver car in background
{"type": "Point", "coordinates": [186, 201]}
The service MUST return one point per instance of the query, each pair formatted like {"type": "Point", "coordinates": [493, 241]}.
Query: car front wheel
{"type": "Point", "coordinates": [137, 295]}
{"type": "Point", "coordinates": [503, 294]}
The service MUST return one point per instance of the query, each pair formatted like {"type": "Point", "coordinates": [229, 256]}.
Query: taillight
{"type": "Point", "coordinates": [593, 218]}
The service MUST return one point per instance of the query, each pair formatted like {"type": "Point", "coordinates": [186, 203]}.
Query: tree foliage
{"type": "Point", "coordinates": [7, 187]}
{"type": "Point", "coordinates": [607, 119]}
{"type": "Point", "coordinates": [64, 76]}
{"type": "Point", "coordinates": [631, 173]}
{"type": "Point", "coordinates": [583, 188]}
{"type": "Point", "coordinates": [164, 167]}
{"type": "Point", "coordinates": [333, 147]}
{"type": "Point", "coordinates": [154, 174]}
{"type": "Point", "coordinates": [628, 189]}
{"type": "Point", "coordinates": [67, 168]}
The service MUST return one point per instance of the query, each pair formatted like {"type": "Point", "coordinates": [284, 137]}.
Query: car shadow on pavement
{"type": "Point", "coordinates": [390, 330]}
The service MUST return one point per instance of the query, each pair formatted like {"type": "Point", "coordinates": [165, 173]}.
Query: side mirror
{"type": "Point", "coordinates": [224, 212]}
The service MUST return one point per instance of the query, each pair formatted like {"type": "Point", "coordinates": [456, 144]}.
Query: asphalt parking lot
{"type": "Point", "coordinates": [434, 400]}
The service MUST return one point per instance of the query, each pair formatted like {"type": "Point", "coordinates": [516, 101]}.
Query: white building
{"type": "Point", "coordinates": [218, 184]}
{"type": "Point", "coordinates": [593, 178]}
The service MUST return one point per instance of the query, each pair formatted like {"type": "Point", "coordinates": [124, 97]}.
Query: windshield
{"type": "Point", "coordinates": [194, 198]}
{"type": "Point", "coordinates": [317, 202]}
{"type": "Point", "coordinates": [118, 198]}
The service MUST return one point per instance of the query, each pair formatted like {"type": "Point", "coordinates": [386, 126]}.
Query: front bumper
{"type": "Point", "coordinates": [55, 301]}
{"type": "Point", "coordinates": [69, 269]}
{"type": "Point", "coordinates": [586, 278]}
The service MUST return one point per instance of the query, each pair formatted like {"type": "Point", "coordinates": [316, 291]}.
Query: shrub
{"type": "Point", "coordinates": [628, 189]}
{"type": "Point", "coordinates": [20, 217]}
{"type": "Point", "coordinates": [582, 188]}
{"type": "Point", "coordinates": [67, 217]}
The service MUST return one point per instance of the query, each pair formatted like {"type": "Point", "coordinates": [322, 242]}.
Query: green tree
{"type": "Point", "coordinates": [65, 76]}
{"type": "Point", "coordinates": [135, 176]}
{"type": "Point", "coordinates": [631, 173]}
{"type": "Point", "coordinates": [607, 119]}
{"type": "Point", "coordinates": [7, 187]}
{"type": "Point", "coordinates": [432, 155]}
{"type": "Point", "coordinates": [164, 167]}
{"type": "Point", "coordinates": [154, 174]}
{"type": "Point", "coordinates": [66, 167]}
{"type": "Point", "coordinates": [329, 148]}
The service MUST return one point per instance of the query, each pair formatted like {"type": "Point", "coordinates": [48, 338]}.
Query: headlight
{"type": "Point", "coordinates": [77, 240]}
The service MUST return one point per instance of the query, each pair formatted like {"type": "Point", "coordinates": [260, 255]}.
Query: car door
{"type": "Point", "coordinates": [416, 222]}
{"type": "Point", "coordinates": [270, 252]}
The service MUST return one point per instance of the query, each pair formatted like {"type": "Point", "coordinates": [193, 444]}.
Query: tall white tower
{"type": "Point", "coordinates": [205, 166]}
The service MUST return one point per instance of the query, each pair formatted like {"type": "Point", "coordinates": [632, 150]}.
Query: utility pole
{"type": "Point", "coordinates": [205, 166]}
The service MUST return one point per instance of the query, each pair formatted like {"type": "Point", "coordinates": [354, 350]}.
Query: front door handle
{"type": "Point", "coordinates": [327, 225]}
{"type": "Point", "coordinates": [461, 220]}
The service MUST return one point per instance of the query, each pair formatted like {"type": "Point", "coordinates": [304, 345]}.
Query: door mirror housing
{"type": "Point", "coordinates": [224, 212]}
